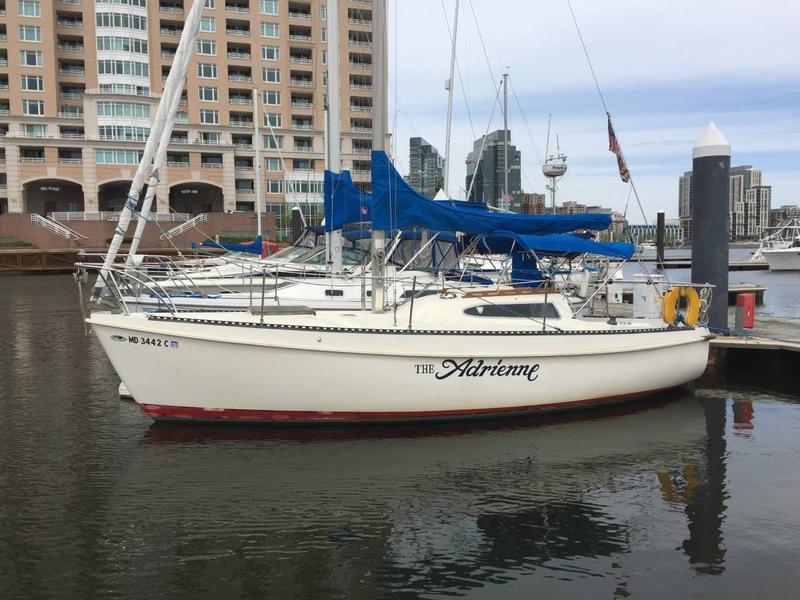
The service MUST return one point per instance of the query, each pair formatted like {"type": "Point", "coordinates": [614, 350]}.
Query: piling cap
{"type": "Point", "coordinates": [711, 143]}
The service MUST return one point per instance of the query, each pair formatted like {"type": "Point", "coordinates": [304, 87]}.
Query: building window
{"type": "Point", "coordinates": [271, 75]}
{"type": "Point", "coordinates": [269, 30]}
{"type": "Point", "coordinates": [140, 3]}
{"type": "Point", "coordinates": [123, 109]}
{"type": "Point", "coordinates": [34, 130]}
{"type": "Point", "coordinates": [273, 164]}
{"type": "Point", "coordinates": [32, 83]}
{"type": "Point", "coordinates": [273, 142]}
{"type": "Point", "coordinates": [117, 157]}
{"type": "Point", "coordinates": [208, 93]}
{"type": "Point", "coordinates": [30, 33]}
{"type": "Point", "coordinates": [209, 4]}
{"type": "Point", "coordinates": [124, 44]}
{"type": "Point", "coordinates": [274, 186]}
{"type": "Point", "coordinates": [272, 98]}
{"type": "Point", "coordinates": [123, 67]}
{"type": "Point", "coordinates": [30, 58]}
{"type": "Point", "coordinates": [208, 24]}
{"type": "Point", "coordinates": [325, 60]}
{"type": "Point", "coordinates": [323, 12]}
{"type": "Point", "coordinates": [210, 137]}
{"type": "Point", "coordinates": [273, 119]}
{"type": "Point", "coordinates": [121, 20]}
{"type": "Point", "coordinates": [268, 7]}
{"type": "Point", "coordinates": [209, 117]}
{"type": "Point", "coordinates": [270, 53]}
{"type": "Point", "coordinates": [527, 311]}
{"type": "Point", "coordinates": [207, 47]}
{"type": "Point", "coordinates": [29, 8]}
{"type": "Point", "coordinates": [123, 132]}
{"type": "Point", "coordinates": [33, 108]}
{"type": "Point", "coordinates": [207, 71]}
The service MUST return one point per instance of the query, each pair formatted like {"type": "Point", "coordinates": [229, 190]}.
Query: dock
{"type": "Point", "coordinates": [686, 263]}
{"type": "Point", "coordinates": [35, 260]}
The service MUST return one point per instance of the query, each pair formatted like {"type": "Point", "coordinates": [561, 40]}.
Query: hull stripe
{"type": "Point", "coordinates": [161, 412]}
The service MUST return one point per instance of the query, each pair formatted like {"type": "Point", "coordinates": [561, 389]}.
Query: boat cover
{"type": "Point", "coordinates": [504, 242]}
{"type": "Point", "coordinates": [395, 204]}
{"type": "Point", "coordinates": [344, 202]}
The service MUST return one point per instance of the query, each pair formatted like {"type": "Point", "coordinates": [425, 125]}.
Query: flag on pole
{"type": "Point", "coordinates": [613, 146]}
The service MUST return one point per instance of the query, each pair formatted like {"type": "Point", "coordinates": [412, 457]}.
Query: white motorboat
{"type": "Point", "coordinates": [780, 247]}
{"type": "Point", "coordinates": [783, 259]}
{"type": "Point", "coordinates": [457, 354]}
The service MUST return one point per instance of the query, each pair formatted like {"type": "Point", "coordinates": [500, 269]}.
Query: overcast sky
{"type": "Point", "coordinates": [665, 68]}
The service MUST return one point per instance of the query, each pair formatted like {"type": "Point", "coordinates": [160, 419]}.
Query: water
{"type": "Point", "coordinates": [689, 495]}
{"type": "Point", "coordinates": [782, 298]}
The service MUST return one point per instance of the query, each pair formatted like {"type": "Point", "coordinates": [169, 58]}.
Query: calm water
{"type": "Point", "coordinates": [687, 496]}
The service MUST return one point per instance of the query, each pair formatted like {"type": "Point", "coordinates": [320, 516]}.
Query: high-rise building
{"type": "Point", "coordinates": [783, 213]}
{"type": "Point", "coordinates": [529, 204]}
{"type": "Point", "coordinates": [80, 82]}
{"type": "Point", "coordinates": [486, 163]}
{"type": "Point", "coordinates": [425, 167]}
{"type": "Point", "coordinates": [749, 203]}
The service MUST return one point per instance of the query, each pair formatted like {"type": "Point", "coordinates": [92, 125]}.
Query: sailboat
{"type": "Point", "coordinates": [459, 353]}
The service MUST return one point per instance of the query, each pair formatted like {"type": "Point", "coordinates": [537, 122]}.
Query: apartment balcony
{"type": "Point", "coordinates": [356, 21]}
{"type": "Point", "coordinates": [359, 43]}
{"type": "Point", "coordinates": [211, 164]}
{"type": "Point", "coordinates": [31, 159]}
{"type": "Point", "coordinates": [238, 32]}
{"type": "Point", "coordinates": [239, 55]}
{"type": "Point", "coordinates": [3, 87]}
{"type": "Point", "coordinates": [299, 37]}
{"type": "Point", "coordinates": [68, 114]}
{"type": "Point", "coordinates": [359, 150]}
{"type": "Point", "coordinates": [300, 60]}
{"type": "Point", "coordinates": [72, 72]}
{"type": "Point", "coordinates": [71, 95]}
{"type": "Point", "coordinates": [361, 65]}
{"type": "Point", "coordinates": [4, 112]}
{"type": "Point", "coordinates": [303, 83]}
{"type": "Point", "coordinates": [177, 163]}
{"type": "Point", "coordinates": [3, 37]}
{"type": "Point", "coordinates": [303, 105]}
{"type": "Point", "coordinates": [237, 8]}
{"type": "Point", "coordinates": [71, 47]}
{"type": "Point", "coordinates": [171, 32]}
{"type": "Point", "coordinates": [304, 149]}
{"type": "Point", "coordinates": [360, 87]}
{"type": "Point", "coordinates": [361, 130]}
{"type": "Point", "coordinates": [303, 126]}
{"type": "Point", "coordinates": [241, 123]}
{"type": "Point", "coordinates": [167, 55]}
{"type": "Point", "coordinates": [70, 161]}
{"type": "Point", "coordinates": [299, 15]}
{"type": "Point", "coordinates": [70, 135]}
{"type": "Point", "coordinates": [174, 10]}
{"type": "Point", "coordinates": [242, 146]}
{"type": "Point", "coordinates": [240, 100]}
{"type": "Point", "coordinates": [360, 108]}
{"type": "Point", "coordinates": [3, 62]}
{"type": "Point", "coordinates": [239, 77]}
{"type": "Point", "coordinates": [68, 1]}
{"type": "Point", "coordinates": [69, 23]}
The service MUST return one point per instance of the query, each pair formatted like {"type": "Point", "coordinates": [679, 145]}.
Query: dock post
{"type": "Point", "coordinates": [711, 164]}
{"type": "Point", "coordinates": [660, 232]}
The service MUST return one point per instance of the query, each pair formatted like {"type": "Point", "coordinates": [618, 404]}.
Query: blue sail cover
{"type": "Point", "coordinates": [396, 205]}
{"type": "Point", "coordinates": [505, 242]}
{"type": "Point", "coordinates": [344, 202]}
{"type": "Point", "coordinates": [254, 247]}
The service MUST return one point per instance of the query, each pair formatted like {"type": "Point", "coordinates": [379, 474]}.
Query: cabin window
{"type": "Point", "coordinates": [532, 310]}
{"type": "Point", "coordinates": [334, 292]}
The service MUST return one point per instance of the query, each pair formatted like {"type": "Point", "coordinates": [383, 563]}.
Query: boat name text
{"type": "Point", "coordinates": [470, 367]}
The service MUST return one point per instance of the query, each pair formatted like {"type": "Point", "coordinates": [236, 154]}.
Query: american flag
{"type": "Point", "coordinates": [613, 146]}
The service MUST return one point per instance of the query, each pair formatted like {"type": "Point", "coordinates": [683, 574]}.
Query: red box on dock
{"type": "Point", "coordinates": [747, 302]}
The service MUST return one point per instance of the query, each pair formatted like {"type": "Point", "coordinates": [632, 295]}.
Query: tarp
{"type": "Point", "coordinates": [504, 242]}
{"type": "Point", "coordinates": [254, 247]}
{"type": "Point", "coordinates": [344, 202]}
{"type": "Point", "coordinates": [395, 204]}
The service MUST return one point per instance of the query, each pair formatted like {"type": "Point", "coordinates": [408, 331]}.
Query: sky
{"type": "Point", "coordinates": [665, 69]}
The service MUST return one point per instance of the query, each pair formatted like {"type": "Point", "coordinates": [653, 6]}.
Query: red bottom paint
{"type": "Point", "coordinates": [161, 412]}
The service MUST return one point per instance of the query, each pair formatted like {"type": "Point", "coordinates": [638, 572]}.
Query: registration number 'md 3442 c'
{"type": "Point", "coordinates": [153, 342]}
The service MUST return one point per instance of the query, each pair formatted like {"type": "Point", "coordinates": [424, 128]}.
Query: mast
{"type": "Point", "coordinates": [164, 119]}
{"type": "Point", "coordinates": [380, 114]}
{"type": "Point", "coordinates": [450, 105]}
{"type": "Point", "coordinates": [334, 121]}
{"type": "Point", "coordinates": [257, 143]}
{"type": "Point", "coordinates": [505, 133]}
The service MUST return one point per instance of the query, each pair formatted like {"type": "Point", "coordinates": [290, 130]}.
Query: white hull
{"type": "Point", "coordinates": [302, 369]}
{"type": "Point", "coordinates": [784, 259]}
